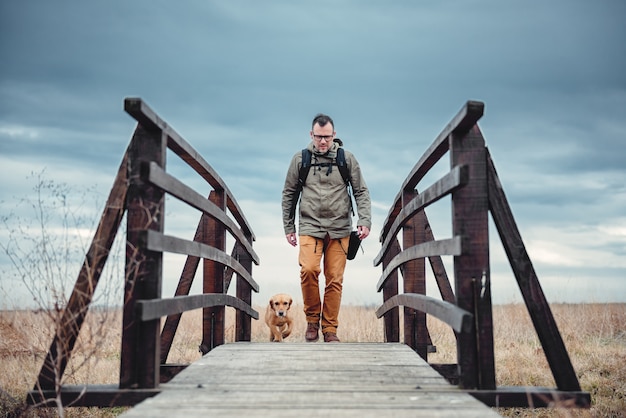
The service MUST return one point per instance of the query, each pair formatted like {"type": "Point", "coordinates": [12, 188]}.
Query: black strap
{"type": "Point", "coordinates": [305, 167]}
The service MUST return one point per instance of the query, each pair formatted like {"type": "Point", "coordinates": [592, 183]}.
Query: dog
{"type": "Point", "coordinates": [277, 318]}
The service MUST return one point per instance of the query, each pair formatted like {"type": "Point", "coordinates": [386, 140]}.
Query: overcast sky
{"type": "Point", "coordinates": [241, 81]}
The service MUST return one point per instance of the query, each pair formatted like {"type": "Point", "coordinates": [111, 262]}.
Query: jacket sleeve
{"type": "Point", "coordinates": [288, 199]}
{"type": "Point", "coordinates": [361, 193]}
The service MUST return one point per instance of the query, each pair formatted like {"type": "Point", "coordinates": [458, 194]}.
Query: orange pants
{"type": "Point", "coordinates": [334, 252]}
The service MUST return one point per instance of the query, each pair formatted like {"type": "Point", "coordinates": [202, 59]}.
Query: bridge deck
{"type": "Point", "coordinates": [298, 379]}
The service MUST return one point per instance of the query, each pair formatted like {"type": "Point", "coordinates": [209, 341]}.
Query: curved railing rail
{"type": "Point", "coordinates": [139, 192]}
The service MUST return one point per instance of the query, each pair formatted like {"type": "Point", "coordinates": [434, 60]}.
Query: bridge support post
{"type": "Point", "coordinates": [243, 322]}
{"type": "Point", "coordinates": [390, 289]}
{"type": "Point", "coordinates": [470, 206]}
{"type": "Point", "coordinates": [140, 356]}
{"type": "Point", "coordinates": [213, 318]}
{"type": "Point", "coordinates": [414, 280]}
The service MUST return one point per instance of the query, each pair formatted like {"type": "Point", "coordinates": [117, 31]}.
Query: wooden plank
{"type": "Point", "coordinates": [157, 308]}
{"type": "Point", "coordinates": [157, 176]}
{"type": "Point", "coordinates": [310, 379]}
{"type": "Point", "coordinates": [444, 186]}
{"type": "Point", "coordinates": [451, 246]}
{"type": "Point", "coordinates": [457, 318]}
{"type": "Point", "coordinates": [155, 241]}
{"type": "Point", "coordinates": [526, 277]}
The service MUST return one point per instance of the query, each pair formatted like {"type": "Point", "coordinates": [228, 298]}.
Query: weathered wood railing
{"type": "Point", "coordinates": [475, 190]}
{"type": "Point", "coordinates": [139, 191]}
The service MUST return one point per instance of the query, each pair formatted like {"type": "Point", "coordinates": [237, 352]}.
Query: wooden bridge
{"type": "Point", "coordinates": [306, 379]}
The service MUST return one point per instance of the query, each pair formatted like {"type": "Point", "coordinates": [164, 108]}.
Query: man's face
{"type": "Point", "coordinates": [322, 136]}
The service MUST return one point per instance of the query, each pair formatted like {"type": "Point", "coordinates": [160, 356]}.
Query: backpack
{"type": "Point", "coordinates": [305, 167]}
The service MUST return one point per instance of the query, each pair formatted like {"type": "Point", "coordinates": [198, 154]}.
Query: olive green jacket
{"type": "Point", "coordinates": [325, 202]}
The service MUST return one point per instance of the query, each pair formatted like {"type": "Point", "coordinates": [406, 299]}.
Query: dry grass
{"type": "Point", "coordinates": [594, 334]}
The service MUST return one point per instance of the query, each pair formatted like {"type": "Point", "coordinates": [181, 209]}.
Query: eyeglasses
{"type": "Point", "coordinates": [326, 138]}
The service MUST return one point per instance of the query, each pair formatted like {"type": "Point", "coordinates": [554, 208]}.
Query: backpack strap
{"type": "Point", "coordinates": [345, 174]}
{"type": "Point", "coordinates": [305, 167]}
{"type": "Point", "coordinates": [343, 166]}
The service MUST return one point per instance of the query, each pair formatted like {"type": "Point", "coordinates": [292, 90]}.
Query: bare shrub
{"type": "Point", "coordinates": [44, 242]}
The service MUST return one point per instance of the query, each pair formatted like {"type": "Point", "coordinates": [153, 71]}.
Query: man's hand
{"type": "Point", "coordinates": [291, 239]}
{"type": "Point", "coordinates": [363, 232]}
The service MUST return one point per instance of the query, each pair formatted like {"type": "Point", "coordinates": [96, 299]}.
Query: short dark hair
{"type": "Point", "coordinates": [322, 119]}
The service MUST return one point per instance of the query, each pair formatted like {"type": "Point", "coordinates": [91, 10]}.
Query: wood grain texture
{"type": "Point", "coordinates": [314, 379]}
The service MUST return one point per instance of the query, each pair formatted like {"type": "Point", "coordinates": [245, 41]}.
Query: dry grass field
{"type": "Point", "coordinates": [594, 334]}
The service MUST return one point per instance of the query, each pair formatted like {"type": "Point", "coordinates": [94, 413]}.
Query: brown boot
{"type": "Point", "coordinates": [331, 337]}
{"type": "Point", "coordinates": [312, 332]}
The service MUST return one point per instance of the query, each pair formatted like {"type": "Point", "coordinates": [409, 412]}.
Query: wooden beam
{"type": "Point", "coordinates": [460, 320]}
{"type": "Point", "coordinates": [470, 219]}
{"type": "Point", "coordinates": [213, 318]}
{"type": "Point", "coordinates": [456, 178]}
{"type": "Point", "coordinates": [157, 176]}
{"type": "Point", "coordinates": [140, 355]}
{"type": "Point", "coordinates": [155, 241]}
{"type": "Point", "coordinates": [451, 246]}
{"type": "Point", "coordinates": [532, 397]}
{"type": "Point", "coordinates": [439, 270]}
{"type": "Point", "coordinates": [184, 286]}
{"type": "Point", "coordinates": [90, 395]}
{"type": "Point", "coordinates": [157, 308]}
{"type": "Point", "coordinates": [526, 277]}
{"type": "Point", "coordinates": [390, 289]}
{"type": "Point", "coordinates": [243, 322]}
{"type": "Point", "coordinates": [168, 371]}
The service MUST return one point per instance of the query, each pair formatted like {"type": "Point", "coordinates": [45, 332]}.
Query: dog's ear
{"type": "Point", "coordinates": [290, 302]}
{"type": "Point", "coordinates": [272, 303]}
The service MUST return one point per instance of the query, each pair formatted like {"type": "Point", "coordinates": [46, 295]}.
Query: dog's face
{"type": "Point", "coordinates": [280, 304]}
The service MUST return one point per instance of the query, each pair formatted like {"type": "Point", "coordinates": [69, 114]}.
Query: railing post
{"type": "Point", "coordinates": [243, 322]}
{"type": "Point", "coordinates": [214, 235]}
{"type": "Point", "coordinates": [139, 365]}
{"type": "Point", "coordinates": [470, 205]}
{"type": "Point", "coordinates": [414, 280]}
{"type": "Point", "coordinates": [390, 289]}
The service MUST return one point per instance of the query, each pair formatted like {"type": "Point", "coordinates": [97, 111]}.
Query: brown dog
{"type": "Point", "coordinates": [276, 317]}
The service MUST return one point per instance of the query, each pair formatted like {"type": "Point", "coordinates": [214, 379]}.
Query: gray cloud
{"type": "Point", "coordinates": [241, 81]}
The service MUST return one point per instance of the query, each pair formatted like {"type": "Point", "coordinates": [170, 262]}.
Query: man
{"type": "Point", "coordinates": [325, 224]}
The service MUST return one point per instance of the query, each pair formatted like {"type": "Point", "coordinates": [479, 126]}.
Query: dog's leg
{"type": "Point", "coordinates": [287, 331]}
{"type": "Point", "coordinates": [276, 335]}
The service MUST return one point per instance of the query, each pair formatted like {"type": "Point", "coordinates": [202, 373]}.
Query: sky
{"type": "Point", "coordinates": [242, 80]}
